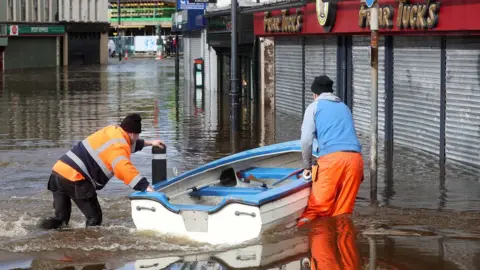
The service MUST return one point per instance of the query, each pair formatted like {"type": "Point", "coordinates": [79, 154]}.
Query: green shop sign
{"type": "Point", "coordinates": [22, 30]}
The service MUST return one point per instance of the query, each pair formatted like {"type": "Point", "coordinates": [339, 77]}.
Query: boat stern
{"type": "Point", "coordinates": [226, 223]}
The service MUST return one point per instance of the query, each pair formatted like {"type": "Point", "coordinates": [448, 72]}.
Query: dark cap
{"type": "Point", "coordinates": [132, 123]}
{"type": "Point", "coordinates": [322, 84]}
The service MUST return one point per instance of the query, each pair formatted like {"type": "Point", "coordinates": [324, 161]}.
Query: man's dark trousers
{"type": "Point", "coordinates": [82, 193]}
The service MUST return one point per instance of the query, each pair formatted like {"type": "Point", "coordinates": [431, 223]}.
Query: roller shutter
{"type": "Point", "coordinates": [30, 52]}
{"type": "Point", "coordinates": [416, 97]}
{"type": "Point", "coordinates": [186, 57]}
{"type": "Point", "coordinates": [362, 85]}
{"type": "Point", "coordinates": [463, 100]}
{"type": "Point", "coordinates": [320, 58]}
{"type": "Point", "coordinates": [195, 51]}
{"type": "Point", "coordinates": [288, 76]}
{"type": "Point", "coordinates": [206, 58]}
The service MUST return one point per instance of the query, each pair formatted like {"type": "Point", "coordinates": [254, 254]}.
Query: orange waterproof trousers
{"type": "Point", "coordinates": [335, 182]}
{"type": "Point", "coordinates": [333, 244]}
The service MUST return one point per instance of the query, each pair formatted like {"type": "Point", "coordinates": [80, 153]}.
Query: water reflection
{"type": "Point", "coordinates": [45, 111]}
{"type": "Point", "coordinates": [333, 244]}
{"type": "Point", "coordinates": [328, 243]}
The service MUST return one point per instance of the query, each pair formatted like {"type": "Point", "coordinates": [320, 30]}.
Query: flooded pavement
{"type": "Point", "coordinates": [423, 220]}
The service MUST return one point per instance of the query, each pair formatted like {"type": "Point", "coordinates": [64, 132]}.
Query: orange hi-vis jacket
{"type": "Point", "coordinates": [100, 156]}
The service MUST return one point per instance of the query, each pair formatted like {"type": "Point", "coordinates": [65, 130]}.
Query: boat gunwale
{"type": "Point", "coordinates": [286, 147]}
{"type": "Point", "coordinates": [229, 200]}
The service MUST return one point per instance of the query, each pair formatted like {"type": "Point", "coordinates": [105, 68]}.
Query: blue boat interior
{"type": "Point", "coordinates": [249, 181]}
{"type": "Point", "coordinates": [250, 195]}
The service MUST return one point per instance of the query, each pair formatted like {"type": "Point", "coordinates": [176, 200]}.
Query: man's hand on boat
{"type": "Point", "coordinates": [158, 143]}
{"type": "Point", "coordinates": [149, 189]}
{"type": "Point", "coordinates": [307, 173]}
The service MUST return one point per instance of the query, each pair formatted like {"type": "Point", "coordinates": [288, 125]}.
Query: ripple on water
{"type": "Point", "coordinates": [45, 111]}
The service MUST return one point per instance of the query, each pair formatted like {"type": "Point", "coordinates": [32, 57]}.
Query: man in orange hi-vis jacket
{"type": "Point", "coordinates": [88, 167]}
{"type": "Point", "coordinates": [338, 173]}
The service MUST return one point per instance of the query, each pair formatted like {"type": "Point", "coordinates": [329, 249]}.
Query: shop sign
{"type": "Point", "coordinates": [284, 23]}
{"type": "Point", "coordinates": [18, 30]}
{"type": "Point", "coordinates": [326, 12]}
{"type": "Point", "coordinates": [186, 5]}
{"type": "Point", "coordinates": [409, 16]}
{"type": "Point", "coordinates": [219, 23]}
{"type": "Point", "coordinates": [202, 1]}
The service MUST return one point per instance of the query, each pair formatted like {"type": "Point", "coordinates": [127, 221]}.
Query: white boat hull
{"type": "Point", "coordinates": [233, 224]}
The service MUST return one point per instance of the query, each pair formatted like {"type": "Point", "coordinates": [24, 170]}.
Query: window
{"type": "Point", "coordinates": [10, 11]}
{"type": "Point", "coordinates": [35, 11]}
{"type": "Point", "coordinates": [80, 6]}
{"type": "Point", "coordinates": [47, 10]}
{"type": "Point", "coordinates": [23, 11]}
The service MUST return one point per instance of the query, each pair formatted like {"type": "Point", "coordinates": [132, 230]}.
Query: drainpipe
{"type": "Point", "coordinates": [234, 90]}
{"type": "Point", "coordinates": [374, 102]}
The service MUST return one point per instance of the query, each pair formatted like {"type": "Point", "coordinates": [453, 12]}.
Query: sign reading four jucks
{"type": "Point", "coordinates": [292, 22]}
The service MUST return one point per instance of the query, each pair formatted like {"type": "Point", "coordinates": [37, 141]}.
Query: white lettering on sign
{"type": "Point", "coordinates": [39, 29]}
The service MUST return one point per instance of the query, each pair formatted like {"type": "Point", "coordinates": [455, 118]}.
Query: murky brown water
{"type": "Point", "coordinates": [423, 221]}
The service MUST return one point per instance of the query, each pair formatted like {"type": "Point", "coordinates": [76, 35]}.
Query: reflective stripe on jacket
{"type": "Point", "coordinates": [102, 155]}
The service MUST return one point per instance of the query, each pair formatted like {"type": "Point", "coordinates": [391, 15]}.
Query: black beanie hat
{"type": "Point", "coordinates": [132, 123]}
{"type": "Point", "coordinates": [322, 84]}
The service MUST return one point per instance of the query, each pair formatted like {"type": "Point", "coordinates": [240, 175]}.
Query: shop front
{"type": "Point", "coordinates": [219, 39]}
{"type": "Point", "coordinates": [33, 46]}
{"type": "Point", "coordinates": [429, 70]}
{"type": "Point", "coordinates": [192, 29]}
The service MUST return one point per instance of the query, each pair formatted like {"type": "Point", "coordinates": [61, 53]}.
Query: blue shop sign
{"type": "Point", "coordinates": [185, 5]}
{"type": "Point", "coordinates": [200, 21]}
{"type": "Point", "coordinates": [193, 20]}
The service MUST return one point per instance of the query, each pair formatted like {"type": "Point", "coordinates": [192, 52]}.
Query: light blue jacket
{"type": "Point", "coordinates": [330, 121]}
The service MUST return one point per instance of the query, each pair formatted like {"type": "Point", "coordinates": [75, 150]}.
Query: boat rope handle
{"type": "Point", "coordinates": [148, 266]}
{"type": "Point", "coordinates": [145, 208]}
{"type": "Point", "coordinates": [246, 257]}
{"type": "Point", "coordinates": [238, 213]}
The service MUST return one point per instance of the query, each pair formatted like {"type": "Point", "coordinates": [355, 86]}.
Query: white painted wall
{"type": "Point", "coordinates": [83, 10]}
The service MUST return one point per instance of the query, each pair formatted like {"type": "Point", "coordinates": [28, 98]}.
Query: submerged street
{"type": "Point", "coordinates": [423, 219]}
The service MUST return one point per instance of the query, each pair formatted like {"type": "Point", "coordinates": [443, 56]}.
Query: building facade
{"type": "Point", "coordinates": [429, 69]}
{"type": "Point", "coordinates": [143, 28]}
{"type": "Point", "coordinates": [190, 24]}
{"type": "Point", "coordinates": [86, 31]}
{"type": "Point", "coordinates": [219, 31]}
{"type": "Point", "coordinates": [49, 33]}
{"type": "Point", "coordinates": [139, 17]}
{"type": "Point", "coordinates": [32, 37]}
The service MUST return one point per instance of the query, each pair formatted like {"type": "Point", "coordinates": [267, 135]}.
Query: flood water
{"type": "Point", "coordinates": [423, 220]}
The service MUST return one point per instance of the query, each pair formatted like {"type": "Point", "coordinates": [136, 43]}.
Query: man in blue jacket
{"type": "Point", "coordinates": [338, 173]}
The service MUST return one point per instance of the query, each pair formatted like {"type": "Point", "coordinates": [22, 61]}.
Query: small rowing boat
{"type": "Point", "coordinates": [229, 200]}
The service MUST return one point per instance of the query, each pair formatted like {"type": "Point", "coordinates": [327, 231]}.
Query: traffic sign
{"type": "Point", "coordinates": [370, 3]}
{"type": "Point", "coordinates": [13, 30]}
